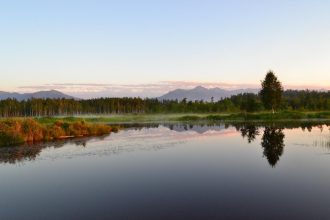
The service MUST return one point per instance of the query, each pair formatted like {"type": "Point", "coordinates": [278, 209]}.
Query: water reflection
{"type": "Point", "coordinates": [273, 144]}
{"type": "Point", "coordinates": [30, 152]}
{"type": "Point", "coordinates": [17, 154]}
{"type": "Point", "coordinates": [250, 132]}
{"type": "Point", "coordinates": [272, 138]}
{"type": "Point", "coordinates": [323, 142]}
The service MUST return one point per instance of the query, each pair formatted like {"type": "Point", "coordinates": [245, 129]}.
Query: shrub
{"type": "Point", "coordinates": [14, 132]}
{"type": "Point", "coordinates": [54, 132]}
{"type": "Point", "coordinates": [10, 137]}
{"type": "Point", "coordinates": [32, 130]}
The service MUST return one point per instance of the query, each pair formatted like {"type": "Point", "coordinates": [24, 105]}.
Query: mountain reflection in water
{"type": "Point", "coordinates": [272, 138]}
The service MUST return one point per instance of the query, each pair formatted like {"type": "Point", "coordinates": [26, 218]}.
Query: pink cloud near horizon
{"type": "Point", "coordinates": [94, 90]}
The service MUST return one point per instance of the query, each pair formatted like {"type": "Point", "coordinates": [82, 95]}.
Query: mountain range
{"type": "Point", "coordinates": [198, 93]}
{"type": "Point", "coordinates": [202, 93]}
{"type": "Point", "coordinates": [52, 94]}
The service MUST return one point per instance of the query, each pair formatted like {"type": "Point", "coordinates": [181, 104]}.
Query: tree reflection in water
{"type": "Point", "coordinates": [250, 132]}
{"type": "Point", "coordinates": [30, 152]}
{"type": "Point", "coordinates": [272, 142]}
{"type": "Point", "coordinates": [13, 155]}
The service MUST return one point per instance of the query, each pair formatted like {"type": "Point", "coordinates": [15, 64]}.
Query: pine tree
{"type": "Point", "coordinates": [271, 92]}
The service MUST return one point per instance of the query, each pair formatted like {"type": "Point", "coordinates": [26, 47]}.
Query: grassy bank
{"type": "Point", "coordinates": [263, 116]}
{"type": "Point", "coordinates": [116, 119]}
{"type": "Point", "coordinates": [19, 131]}
{"type": "Point", "coordinates": [159, 118]}
{"type": "Point", "coordinates": [16, 131]}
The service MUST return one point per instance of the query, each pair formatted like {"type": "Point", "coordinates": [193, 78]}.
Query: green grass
{"type": "Point", "coordinates": [262, 116]}
{"type": "Point", "coordinates": [188, 117]}
{"type": "Point", "coordinates": [117, 119]}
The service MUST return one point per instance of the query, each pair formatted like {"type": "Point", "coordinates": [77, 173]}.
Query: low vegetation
{"type": "Point", "coordinates": [191, 117]}
{"type": "Point", "coordinates": [260, 116]}
{"type": "Point", "coordinates": [19, 131]}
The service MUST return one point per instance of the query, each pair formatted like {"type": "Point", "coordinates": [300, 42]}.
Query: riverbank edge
{"type": "Point", "coordinates": [18, 131]}
{"type": "Point", "coordinates": [192, 117]}
{"type": "Point", "coordinates": [113, 122]}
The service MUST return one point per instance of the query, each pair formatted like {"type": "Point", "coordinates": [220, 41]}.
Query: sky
{"type": "Point", "coordinates": [144, 48]}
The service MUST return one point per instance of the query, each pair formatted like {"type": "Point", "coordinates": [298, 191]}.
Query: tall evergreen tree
{"type": "Point", "coordinates": [271, 92]}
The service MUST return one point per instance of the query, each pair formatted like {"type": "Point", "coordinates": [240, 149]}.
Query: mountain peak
{"type": "Point", "coordinates": [52, 94]}
{"type": "Point", "coordinates": [202, 93]}
{"type": "Point", "coordinates": [200, 88]}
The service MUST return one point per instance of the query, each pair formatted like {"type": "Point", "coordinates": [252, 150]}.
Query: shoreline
{"type": "Point", "coordinates": [192, 117]}
{"type": "Point", "coordinates": [18, 131]}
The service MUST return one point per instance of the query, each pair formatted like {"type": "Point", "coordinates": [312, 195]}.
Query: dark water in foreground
{"type": "Point", "coordinates": [173, 172]}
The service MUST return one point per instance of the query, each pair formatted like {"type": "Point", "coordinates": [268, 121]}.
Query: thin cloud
{"type": "Point", "coordinates": [94, 90]}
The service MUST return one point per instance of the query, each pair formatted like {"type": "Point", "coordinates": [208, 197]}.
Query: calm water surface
{"type": "Point", "coordinates": [174, 171]}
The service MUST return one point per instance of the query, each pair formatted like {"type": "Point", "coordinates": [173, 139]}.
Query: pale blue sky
{"type": "Point", "coordinates": [137, 42]}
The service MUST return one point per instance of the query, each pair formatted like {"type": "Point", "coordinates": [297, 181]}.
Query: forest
{"type": "Point", "coordinates": [292, 100]}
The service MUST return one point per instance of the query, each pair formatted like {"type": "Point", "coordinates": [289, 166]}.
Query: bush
{"type": "Point", "coordinates": [14, 132]}
{"type": "Point", "coordinates": [10, 137]}
{"type": "Point", "coordinates": [32, 130]}
{"type": "Point", "coordinates": [95, 129]}
{"type": "Point", "coordinates": [54, 132]}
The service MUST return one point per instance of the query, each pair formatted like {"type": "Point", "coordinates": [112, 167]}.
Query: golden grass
{"type": "Point", "coordinates": [18, 131]}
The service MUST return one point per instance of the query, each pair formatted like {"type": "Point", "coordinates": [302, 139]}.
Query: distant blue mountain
{"type": "Point", "coordinates": [201, 93]}
{"type": "Point", "coordinates": [52, 94]}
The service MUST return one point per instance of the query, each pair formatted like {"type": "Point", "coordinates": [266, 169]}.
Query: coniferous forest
{"type": "Point", "coordinates": [292, 100]}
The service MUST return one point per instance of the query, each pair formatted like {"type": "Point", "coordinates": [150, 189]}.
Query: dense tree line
{"type": "Point", "coordinates": [248, 102]}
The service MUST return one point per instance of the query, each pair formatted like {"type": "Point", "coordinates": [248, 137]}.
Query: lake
{"type": "Point", "coordinates": [173, 171]}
